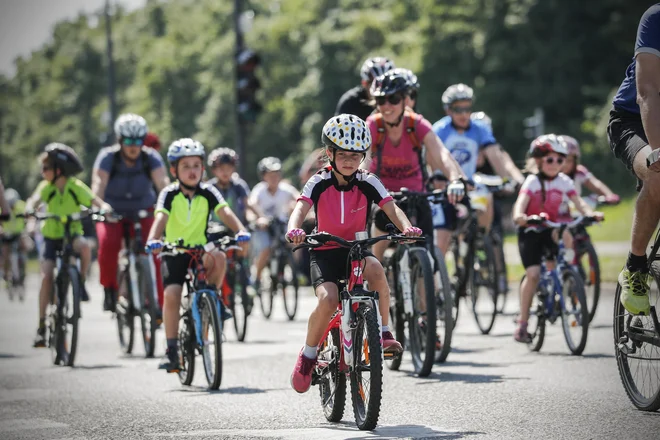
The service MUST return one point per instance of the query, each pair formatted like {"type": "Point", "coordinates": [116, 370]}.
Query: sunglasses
{"type": "Point", "coordinates": [551, 160]}
{"type": "Point", "coordinates": [392, 99]}
{"type": "Point", "coordinates": [461, 110]}
{"type": "Point", "coordinates": [132, 142]}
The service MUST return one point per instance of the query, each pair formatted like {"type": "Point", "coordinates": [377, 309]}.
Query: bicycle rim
{"type": "Point", "coordinates": [266, 292]}
{"type": "Point", "coordinates": [148, 310]}
{"type": "Point", "coordinates": [638, 362]}
{"type": "Point", "coordinates": [444, 316]}
{"type": "Point", "coordinates": [574, 314]}
{"type": "Point", "coordinates": [503, 277]}
{"type": "Point", "coordinates": [124, 314]}
{"type": "Point", "coordinates": [422, 324]}
{"type": "Point", "coordinates": [212, 340]}
{"type": "Point", "coordinates": [332, 382]}
{"type": "Point", "coordinates": [483, 287]}
{"type": "Point", "coordinates": [367, 372]}
{"type": "Point", "coordinates": [589, 269]}
{"type": "Point", "coordinates": [239, 303]}
{"type": "Point", "coordinates": [68, 320]}
{"type": "Point", "coordinates": [186, 346]}
{"type": "Point", "coordinates": [289, 287]}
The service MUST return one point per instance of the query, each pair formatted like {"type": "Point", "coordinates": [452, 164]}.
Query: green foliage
{"type": "Point", "coordinates": [174, 65]}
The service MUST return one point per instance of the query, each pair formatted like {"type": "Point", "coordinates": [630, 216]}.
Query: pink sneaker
{"type": "Point", "coordinates": [391, 345]}
{"type": "Point", "coordinates": [301, 378]}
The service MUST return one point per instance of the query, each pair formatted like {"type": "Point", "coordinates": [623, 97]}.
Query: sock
{"type": "Point", "coordinates": [171, 348]}
{"type": "Point", "coordinates": [636, 263]}
{"type": "Point", "coordinates": [385, 328]}
{"type": "Point", "coordinates": [309, 351]}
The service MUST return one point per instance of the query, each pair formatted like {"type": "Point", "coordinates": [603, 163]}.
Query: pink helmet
{"type": "Point", "coordinates": [571, 144]}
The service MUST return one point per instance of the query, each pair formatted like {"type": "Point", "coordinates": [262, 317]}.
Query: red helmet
{"type": "Point", "coordinates": [151, 140]}
{"type": "Point", "coordinates": [571, 144]}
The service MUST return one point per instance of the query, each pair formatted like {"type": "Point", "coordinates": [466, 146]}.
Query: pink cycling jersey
{"type": "Point", "coordinates": [343, 210]}
{"type": "Point", "coordinates": [400, 164]}
{"type": "Point", "coordinates": [582, 175]}
{"type": "Point", "coordinates": [555, 190]}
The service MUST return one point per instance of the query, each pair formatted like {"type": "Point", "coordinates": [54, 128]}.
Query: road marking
{"type": "Point", "coordinates": [29, 424]}
{"type": "Point", "coordinates": [329, 432]}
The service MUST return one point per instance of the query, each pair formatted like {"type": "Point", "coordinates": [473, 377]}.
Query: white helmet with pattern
{"type": "Point", "coordinates": [130, 125]}
{"type": "Point", "coordinates": [185, 147]}
{"type": "Point", "coordinates": [346, 132]}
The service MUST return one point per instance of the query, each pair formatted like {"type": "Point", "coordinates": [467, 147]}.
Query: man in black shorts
{"type": "Point", "coordinates": [634, 133]}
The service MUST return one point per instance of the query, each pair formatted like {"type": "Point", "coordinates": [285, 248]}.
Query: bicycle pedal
{"type": "Point", "coordinates": [390, 355]}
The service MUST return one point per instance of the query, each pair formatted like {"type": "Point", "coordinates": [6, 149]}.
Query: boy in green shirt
{"type": "Point", "coordinates": [182, 212]}
{"type": "Point", "coordinates": [63, 195]}
{"type": "Point", "coordinates": [12, 231]}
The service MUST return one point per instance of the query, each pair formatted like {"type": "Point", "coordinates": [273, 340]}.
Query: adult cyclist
{"type": "Point", "coordinates": [125, 175]}
{"type": "Point", "coordinates": [465, 139]}
{"type": "Point", "coordinates": [358, 100]}
{"type": "Point", "coordinates": [397, 156]}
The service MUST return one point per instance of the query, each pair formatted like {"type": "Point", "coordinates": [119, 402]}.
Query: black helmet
{"type": "Point", "coordinates": [64, 158]}
{"type": "Point", "coordinates": [222, 155]}
{"type": "Point", "coordinates": [388, 84]}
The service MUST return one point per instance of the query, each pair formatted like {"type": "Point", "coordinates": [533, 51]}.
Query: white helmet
{"type": "Point", "coordinates": [269, 163]}
{"type": "Point", "coordinates": [483, 117]}
{"type": "Point", "coordinates": [130, 125]}
{"type": "Point", "coordinates": [456, 92]}
{"type": "Point", "coordinates": [346, 132]}
{"type": "Point", "coordinates": [185, 147]}
{"type": "Point", "coordinates": [546, 144]}
{"type": "Point", "coordinates": [11, 196]}
{"type": "Point", "coordinates": [374, 67]}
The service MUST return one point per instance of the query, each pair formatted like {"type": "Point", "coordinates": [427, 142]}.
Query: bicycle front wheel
{"type": "Point", "coordinates": [589, 269]}
{"type": "Point", "coordinates": [211, 339]}
{"type": "Point", "coordinates": [367, 373]}
{"type": "Point", "coordinates": [240, 300]}
{"type": "Point", "coordinates": [266, 292]}
{"type": "Point", "coordinates": [332, 381]}
{"type": "Point", "coordinates": [422, 324]}
{"type": "Point", "coordinates": [574, 314]}
{"type": "Point", "coordinates": [186, 346]}
{"type": "Point", "coordinates": [124, 313]}
{"type": "Point", "coordinates": [444, 316]}
{"type": "Point", "coordinates": [536, 322]}
{"type": "Point", "coordinates": [483, 286]}
{"type": "Point", "coordinates": [149, 307]}
{"type": "Point", "coordinates": [289, 284]}
{"type": "Point", "coordinates": [638, 360]}
{"type": "Point", "coordinates": [67, 316]}
{"type": "Point", "coordinates": [397, 321]}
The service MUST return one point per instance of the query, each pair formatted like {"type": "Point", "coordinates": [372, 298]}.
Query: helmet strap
{"type": "Point", "coordinates": [348, 178]}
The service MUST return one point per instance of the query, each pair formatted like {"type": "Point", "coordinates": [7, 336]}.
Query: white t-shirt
{"type": "Point", "coordinates": [275, 205]}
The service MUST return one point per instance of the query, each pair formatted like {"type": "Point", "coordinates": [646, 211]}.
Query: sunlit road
{"type": "Point", "coordinates": [491, 387]}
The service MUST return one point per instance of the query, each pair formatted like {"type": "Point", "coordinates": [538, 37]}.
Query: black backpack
{"type": "Point", "coordinates": [116, 160]}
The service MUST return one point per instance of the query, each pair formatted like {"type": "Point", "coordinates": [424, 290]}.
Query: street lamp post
{"type": "Point", "coordinates": [111, 71]}
{"type": "Point", "coordinates": [240, 125]}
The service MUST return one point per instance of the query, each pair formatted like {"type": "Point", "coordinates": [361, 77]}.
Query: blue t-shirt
{"type": "Point", "coordinates": [130, 189]}
{"type": "Point", "coordinates": [465, 146]}
{"type": "Point", "coordinates": [648, 41]}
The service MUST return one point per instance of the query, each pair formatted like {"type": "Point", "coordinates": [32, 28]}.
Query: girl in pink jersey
{"type": "Point", "coordinates": [341, 194]}
{"type": "Point", "coordinates": [541, 194]}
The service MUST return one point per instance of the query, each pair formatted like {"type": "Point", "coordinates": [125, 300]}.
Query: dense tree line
{"type": "Point", "coordinates": [174, 65]}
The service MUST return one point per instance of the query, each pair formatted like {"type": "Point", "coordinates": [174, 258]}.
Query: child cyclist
{"type": "Point", "coordinates": [63, 195]}
{"type": "Point", "coordinates": [541, 194]}
{"type": "Point", "coordinates": [182, 212]}
{"type": "Point", "coordinates": [341, 195]}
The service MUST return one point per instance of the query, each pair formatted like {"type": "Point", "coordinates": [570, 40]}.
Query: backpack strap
{"type": "Point", "coordinates": [73, 195]}
{"type": "Point", "coordinates": [116, 161]}
{"type": "Point", "coordinates": [412, 119]}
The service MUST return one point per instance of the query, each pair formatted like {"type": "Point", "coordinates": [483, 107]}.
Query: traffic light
{"type": "Point", "coordinates": [247, 85]}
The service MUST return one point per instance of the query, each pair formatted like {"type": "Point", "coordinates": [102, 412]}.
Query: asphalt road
{"type": "Point", "coordinates": [490, 387]}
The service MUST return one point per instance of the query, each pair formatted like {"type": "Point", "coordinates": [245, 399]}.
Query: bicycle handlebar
{"type": "Point", "coordinates": [76, 216]}
{"type": "Point", "coordinates": [224, 244]}
{"type": "Point", "coordinates": [403, 194]}
{"type": "Point", "coordinates": [317, 240]}
{"type": "Point", "coordinates": [536, 220]}
{"type": "Point", "coordinates": [113, 217]}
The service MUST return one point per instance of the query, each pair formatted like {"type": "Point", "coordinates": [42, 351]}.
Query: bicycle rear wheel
{"type": "Point", "coordinates": [536, 322]}
{"type": "Point", "coordinates": [67, 316]}
{"type": "Point", "coordinates": [239, 300]}
{"type": "Point", "coordinates": [186, 346]}
{"type": "Point", "coordinates": [367, 359]}
{"type": "Point", "coordinates": [289, 284]}
{"type": "Point", "coordinates": [574, 314]}
{"type": "Point", "coordinates": [422, 323]}
{"type": "Point", "coordinates": [638, 361]}
{"type": "Point", "coordinates": [444, 315]}
{"type": "Point", "coordinates": [589, 269]}
{"type": "Point", "coordinates": [332, 381]}
{"type": "Point", "coordinates": [483, 285]}
{"type": "Point", "coordinates": [148, 308]}
{"type": "Point", "coordinates": [211, 338]}
{"type": "Point", "coordinates": [124, 313]}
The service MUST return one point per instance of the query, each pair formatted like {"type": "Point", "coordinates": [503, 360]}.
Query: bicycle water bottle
{"type": "Point", "coordinates": [404, 282]}
{"type": "Point", "coordinates": [346, 330]}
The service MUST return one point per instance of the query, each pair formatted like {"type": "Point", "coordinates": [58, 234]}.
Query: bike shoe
{"type": "Point", "coordinates": [40, 339]}
{"type": "Point", "coordinates": [391, 345]}
{"type": "Point", "coordinates": [109, 300]}
{"type": "Point", "coordinates": [635, 291]}
{"type": "Point", "coordinates": [521, 334]}
{"type": "Point", "coordinates": [84, 296]}
{"type": "Point", "coordinates": [170, 364]}
{"type": "Point", "coordinates": [301, 378]}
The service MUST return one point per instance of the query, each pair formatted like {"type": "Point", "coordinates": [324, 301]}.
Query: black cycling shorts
{"type": "Point", "coordinates": [329, 266]}
{"type": "Point", "coordinates": [533, 246]}
{"type": "Point", "coordinates": [51, 247]}
{"type": "Point", "coordinates": [627, 137]}
{"type": "Point", "coordinates": [175, 269]}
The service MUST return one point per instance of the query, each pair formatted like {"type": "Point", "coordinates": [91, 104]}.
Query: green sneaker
{"type": "Point", "coordinates": [635, 291]}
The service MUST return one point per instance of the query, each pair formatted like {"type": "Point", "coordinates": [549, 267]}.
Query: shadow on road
{"type": "Point", "coordinates": [464, 377]}
{"type": "Point", "coordinates": [97, 367]}
{"type": "Point", "coordinates": [571, 356]}
{"type": "Point", "coordinates": [195, 390]}
{"type": "Point", "coordinates": [399, 431]}
{"type": "Point", "coordinates": [9, 356]}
